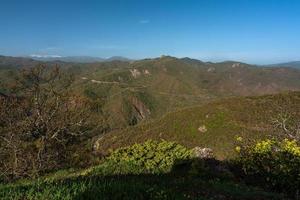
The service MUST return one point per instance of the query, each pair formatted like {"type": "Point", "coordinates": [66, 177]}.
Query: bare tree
{"type": "Point", "coordinates": [287, 125]}
{"type": "Point", "coordinates": [39, 120]}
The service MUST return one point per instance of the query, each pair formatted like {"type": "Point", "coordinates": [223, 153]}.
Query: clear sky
{"type": "Point", "coordinates": [253, 31]}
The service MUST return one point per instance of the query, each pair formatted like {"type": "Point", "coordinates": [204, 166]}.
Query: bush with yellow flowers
{"type": "Point", "coordinates": [272, 163]}
{"type": "Point", "coordinates": [149, 157]}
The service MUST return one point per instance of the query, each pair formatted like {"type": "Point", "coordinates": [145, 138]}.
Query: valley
{"type": "Point", "coordinates": [121, 104]}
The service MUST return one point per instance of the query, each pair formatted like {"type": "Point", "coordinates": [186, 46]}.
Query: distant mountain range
{"type": "Point", "coordinates": [293, 64]}
{"type": "Point", "coordinates": [76, 59]}
{"type": "Point", "coordinates": [92, 59]}
{"type": "Point", "coordinates": [130, 92]}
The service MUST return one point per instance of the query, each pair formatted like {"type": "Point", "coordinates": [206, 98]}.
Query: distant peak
{"type": "Point", "coordinates": [118, 58]}
{"type": "Point", "coordinates": [167, 56]}
{"type": "Point", "coordinates": [44, 56]}
{"type": "Point", "coordinates": [191, 59]}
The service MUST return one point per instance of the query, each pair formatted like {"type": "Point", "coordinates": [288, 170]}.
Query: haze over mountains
{"type": "Point", "coordinates": [92, 59]}
{"type": "Point", "coordinates": [76, 59]}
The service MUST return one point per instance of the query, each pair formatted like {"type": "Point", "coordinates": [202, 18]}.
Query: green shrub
{"type": "Point", "coordinates": [109, 168]}
{"type": "Point", "coordinates": [149, 157]}
{"type": "Point", "coordinates": [272, 163]}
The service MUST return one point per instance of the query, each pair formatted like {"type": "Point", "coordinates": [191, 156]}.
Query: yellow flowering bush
{"type": "Point", "coordinates": [272, 163]}
{"type": "Point", "coordinates": [264, 147]}
{"type": "Point", "coordinates": [150, 157]}
{"type": "Point", "coordinates": [291, 147]}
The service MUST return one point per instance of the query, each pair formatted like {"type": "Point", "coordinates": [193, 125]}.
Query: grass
{"type": "Point", "coordinates": [118, 177]}
{"type": "Point", "coordinates": [166, 186]}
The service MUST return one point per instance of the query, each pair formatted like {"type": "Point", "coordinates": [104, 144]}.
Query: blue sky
{"type": "Point", "coordinates": [253, 31]}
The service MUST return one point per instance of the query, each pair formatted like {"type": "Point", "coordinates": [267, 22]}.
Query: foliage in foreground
{"type": "Point", "coordinates": [150, 157]}
{"type": "Point", "coordinates": [167, 186]}
{"type": "Point", "coordinates": [140, 171]}
{"type": "Point", "coordinates": [272, 163]}
{"type": "Point", "coordinates": [39, 120]}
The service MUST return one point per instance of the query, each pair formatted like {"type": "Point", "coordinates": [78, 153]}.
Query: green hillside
{"type": "Point", "coordinates": [129, 92]}
{"type": "Point", "coordinates": [164, 84]}
{"type": "Point", "coordinates": [111, 105]}
{"type": "Point", "coordinates": [223, 120]}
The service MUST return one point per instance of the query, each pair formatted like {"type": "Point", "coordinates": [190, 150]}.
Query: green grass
{"type": "Point", "coordinates": [142, 171]}
{"type": "Point", "coordinates": [130, 187]}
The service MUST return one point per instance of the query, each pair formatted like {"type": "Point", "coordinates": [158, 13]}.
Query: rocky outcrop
{"type": "Point", "coordinates": [140, 109]}
{"type": "Point", "coordinates": [146, 72]}
{"type": "Point", "coordinates": [135, 73]}
{"type": "Point", "coordinates": [202, 129]}
{"type": "Point", "coordinates": [202, 153]}
{"type": "Point", "coordinates": [211, 69]}
{"type": "Point", "coordinates": [236, 65]}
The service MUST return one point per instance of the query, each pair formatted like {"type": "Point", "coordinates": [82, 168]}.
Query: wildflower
{"type": "Point", "coordinates": [239, 139]}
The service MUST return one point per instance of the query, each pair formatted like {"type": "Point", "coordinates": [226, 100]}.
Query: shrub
{"type": "Point", "coordinates": [272, 163]}
{"type": "Point", "coordinates": [149, 157]}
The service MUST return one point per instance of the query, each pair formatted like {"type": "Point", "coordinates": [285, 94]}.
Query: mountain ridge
{"type": "Point", "coordinates": [292, 64]}
{"type": "Point", "coordinates": [91, 59]}
{"type": "Point", "coordinates": [131, 92]}
{"type": "Point", "coordinates": [77, 59]}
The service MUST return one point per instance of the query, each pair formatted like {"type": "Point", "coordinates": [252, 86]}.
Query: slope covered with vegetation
{"type": "Point", "coordinates": [150, 173]}
{"type": "Point", "coordinates": [90, 117]}
{"type": "Point", "coordinates": [128, 92]}
{"type": "Point", "coordinates": [213, 125]}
